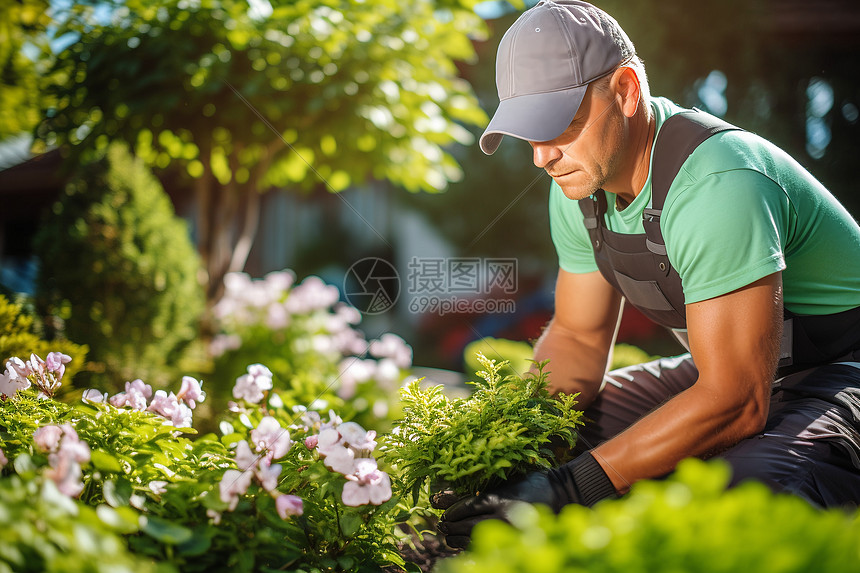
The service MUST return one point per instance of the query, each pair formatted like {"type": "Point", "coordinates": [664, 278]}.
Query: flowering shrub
{"type": "Point", "coordinates": [507, 427]}
{"type": "Point", "coordinates": [686, 523]}
{"type": "Point", "coordinates": [280, 489]}
{"type": "Point", "coordinates": [308, 339]}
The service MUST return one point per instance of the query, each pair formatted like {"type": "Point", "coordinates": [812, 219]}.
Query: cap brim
{"type": "Point", "coordinates": [534, 117]}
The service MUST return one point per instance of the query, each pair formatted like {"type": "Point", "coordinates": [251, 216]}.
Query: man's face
{"type": "Point", "coordinates": [587, 155]}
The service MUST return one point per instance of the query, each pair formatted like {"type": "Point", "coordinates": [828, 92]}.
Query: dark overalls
{"type": "Point", "coordinates": [811, 443]}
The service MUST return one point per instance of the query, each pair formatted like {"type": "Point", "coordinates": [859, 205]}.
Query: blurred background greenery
{"type": "Point", "coordinates": [310, 135]}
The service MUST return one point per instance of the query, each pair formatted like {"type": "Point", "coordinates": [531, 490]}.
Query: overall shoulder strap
{"type": "Point", "coordinates": [679, 136]}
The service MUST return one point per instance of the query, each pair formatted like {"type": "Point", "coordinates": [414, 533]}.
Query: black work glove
{"type": "Point", "coordinates": [580, 481]}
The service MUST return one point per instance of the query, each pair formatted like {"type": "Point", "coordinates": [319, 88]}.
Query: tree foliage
{"type": "Point", "coordinates": [22, 26]}
{"type": "Point", "coordinates": [243, 96]}
{"type": "Point", "coordinates": [119, 268]}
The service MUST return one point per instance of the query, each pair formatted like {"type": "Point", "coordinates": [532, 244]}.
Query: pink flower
{"type": "Point", "coordinates": [366, 485]}
{"type": "Point", "coordinates": [168, 406]}
{"type": "Point", "coordinates": [288, 505]}
{"type": "Point", "coordinates": [3, 460]}
{"type": "Point", "coordinates": [191, 392]}
{"type": "Point", "coordinates": [250, 386]}
{"type": "Point", "coordinates": [56, 362]}
{"type": "Point", "coordinates": [234, 484]}
{"type": "Point", "coordinates": [67, 453]}
{"type": "Point", "coordinates": [135, 396]}
{"type": "Point", "coordinates": [270, 437]}
{"type": "Point", "coordinates": [392, 346]}
{"type": "Point", "coordinates": [312, 441]}
{"type": "Point", "coordinates": [47, 438]}
{"type": "Point", "coordinates": [66, 473]}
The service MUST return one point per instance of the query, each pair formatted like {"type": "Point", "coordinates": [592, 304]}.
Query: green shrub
{"type": "Point", "coordinates": [688, 523]}
{"type": "Point", "coordinates": [18, 337]}
{"type": "Point", "coordinates": [45, 531]}
{"type": "Point", "coordinates": [119, 269]}
{"type": "Point", "coordinates": [508, 426]}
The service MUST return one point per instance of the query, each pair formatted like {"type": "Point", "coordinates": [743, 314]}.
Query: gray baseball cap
{"type": "Point", "coordinates": [544, 64]}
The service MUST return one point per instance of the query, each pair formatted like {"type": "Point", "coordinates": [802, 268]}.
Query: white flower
{"type": "Point", "coordinates": [245, 458]}
{"type": "Point", "coordinates": [93, 396]}
{"type": "Point", "coordinates": [357, 437]}
{"type": "Point", "coordinates": [234, 483]}
{"type": "Point", "coordinates": [11, 382]}
{"type": "Point", "coordinates": [339, 459]}
{"type": "Point", "coordinates": [268, 475]}
{"type": "Point", "coordinates": [271, 438]}
{"type": "Point", "coordinates": [157, 487]}
{"type": "Point", "coordinates": [367, 484]}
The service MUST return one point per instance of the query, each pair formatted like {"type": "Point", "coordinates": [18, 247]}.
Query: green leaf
{"type": "Point", "coordinates": [163, 530]}
{"type": "Point", "coordinates": [105, 462]}
{"type": "Point", "coordinates": [117, 493]}
{"type": "Point", "coordinates": [350, 523]}
{"type": "Point", "coordinates": [123, 519]}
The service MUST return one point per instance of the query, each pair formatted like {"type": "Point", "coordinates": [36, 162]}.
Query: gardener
{"type": "Point", "coordinates": [705, 228]}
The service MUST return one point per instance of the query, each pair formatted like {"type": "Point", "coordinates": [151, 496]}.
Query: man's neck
{"type": "Point", "coordinates": [642, 129]}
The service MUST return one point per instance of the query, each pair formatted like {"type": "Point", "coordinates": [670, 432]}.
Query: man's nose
{"type": "Point", "coordinates": [545, 153]}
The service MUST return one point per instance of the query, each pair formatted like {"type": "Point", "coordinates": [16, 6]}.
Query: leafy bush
{"type": "Point", "coordinates": [18, 337]}
{"type": "Point", "coordinates": [686, 523]}
{"type": "Point", "coordinates": [118, 267]}
{"type": "Point", "coordinates": [45, 531]}
{"type": "Point", "coordinates": [279, 489]}
{"type": "Point", "coordinates": [506, 427]}
{"type": "Point", "coordinates": [310, 342]}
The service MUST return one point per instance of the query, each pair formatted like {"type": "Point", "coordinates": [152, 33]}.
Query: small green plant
{"type": "Point", "coordinates": [686, 523]}
{"type": "Point", "coordinates": [508, 426]}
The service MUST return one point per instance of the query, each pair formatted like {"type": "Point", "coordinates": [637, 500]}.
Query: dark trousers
{"type": "Point", "coordinates": [810, 445]}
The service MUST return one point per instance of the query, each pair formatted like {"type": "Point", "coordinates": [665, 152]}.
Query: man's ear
{"type": "Point", "coordinates": [625, 84]}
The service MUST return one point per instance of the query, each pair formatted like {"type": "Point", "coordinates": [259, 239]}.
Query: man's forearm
{"type": "Point", "coordinates": [697, 422]}
{"type": "Point", "coordinates": [576, 364]}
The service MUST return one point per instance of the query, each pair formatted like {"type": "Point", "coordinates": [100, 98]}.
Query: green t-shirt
{"type": "Point", "coordinates": [739, 210]}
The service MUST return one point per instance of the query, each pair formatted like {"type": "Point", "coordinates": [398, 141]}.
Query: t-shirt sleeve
{"type": "Point", "coordinates": [569, 235]}
{"type": "Point", "coordinates": [725, 231]}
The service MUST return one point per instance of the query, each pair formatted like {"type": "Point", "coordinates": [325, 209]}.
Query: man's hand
{"type": "Point", "coordinates": [580, 481]}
